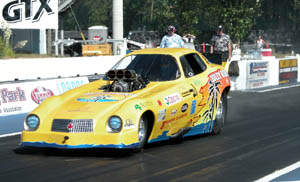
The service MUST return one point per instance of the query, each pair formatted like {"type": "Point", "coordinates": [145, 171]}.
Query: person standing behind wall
{"type": "Point", "coordinates": [189, 38]}
{"type": "Point", "coordinates": [221, 45]}
{"type": "Point", "coordinates": [171, 39]}
{"type": "Point", "coordinates": [259, 42]}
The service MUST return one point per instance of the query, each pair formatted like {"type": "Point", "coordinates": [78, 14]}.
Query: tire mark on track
{"type": "Point", "coordinates": [218, 154]}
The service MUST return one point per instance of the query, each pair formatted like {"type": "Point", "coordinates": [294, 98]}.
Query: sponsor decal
{"type": "Point", "coordinates": [173, 112]}
{"type": "Point", "coordinates": [137, 107]}
{"type": "Point", "coordinates": [70, 126]}
{"type": "Point", "coordinates": [11, 109]}
{"type": "Point", "coordinates": [193, 108]}
{"type": "Point", "coordinates": [12, 11]}
{"type": "Point", "coordinates": [108, 93]}
{"type": "Point", "coordinates": [159, 102]}
{"type": "Point", "coordinates": [7, 96]}
{"type": "Point", "coordinates": [161, 115]}
{"type": "Point", "coordinates": [97, 99]}
{"type": "Point", "coordinates": [30, 13]}
{"type": "Point", "coordinates": [172, 120]}
{"type": "Point", "coordinates": [101, 97]}
{"type": "Point", "coordinates": [39, 94]}
{"type": "Point", "coordinates": [257, 74]}
{"type": "Point", "coordinates": [65, 85]}
{"type": "Point", "coordinates": [172, 99]}
{"type": "Point", "coordinates": [128, 124]}
{"type": "Point", "coordinates": [258, 68]}
{"type": "Point", "coordinates": [288, 71]}
{"type": "Point", "coordinates": [184, 107]}
{"type": "Point", "coordinates": [218, 75]}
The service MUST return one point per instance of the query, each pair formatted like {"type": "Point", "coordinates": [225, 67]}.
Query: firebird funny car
{"type": "Point", "coordinates": [148, 96]}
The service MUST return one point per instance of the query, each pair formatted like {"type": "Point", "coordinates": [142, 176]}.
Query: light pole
{"type": "Point", "coordinates": [117, 23]}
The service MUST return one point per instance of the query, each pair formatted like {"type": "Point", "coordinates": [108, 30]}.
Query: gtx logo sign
{"type": "Point", "coordinates": [12, 12]}
{"type": "Point", "coordinates": [24, 13]}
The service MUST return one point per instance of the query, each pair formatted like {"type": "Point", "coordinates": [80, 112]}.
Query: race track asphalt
{"type": "Point", "coordinates": [261, 135]}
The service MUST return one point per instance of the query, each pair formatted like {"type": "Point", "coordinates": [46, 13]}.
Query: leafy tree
{"type": "Point", "coordinates": [88, 13]}
{"type": "Point", "coordinates": [5, 51]}
{"type": "Point", "coordinates": [239, 18]}
{"type": "Point", "coordinates": [199, 17]}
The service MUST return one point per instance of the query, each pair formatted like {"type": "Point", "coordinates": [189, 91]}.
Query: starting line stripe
{"type": "Point", "coordinates": [280, 172]}
{"type": "Point", "coordinates": [10, 134]}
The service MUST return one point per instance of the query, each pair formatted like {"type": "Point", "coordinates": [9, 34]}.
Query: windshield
{"type": "Point", "coordinates": [155, 67]}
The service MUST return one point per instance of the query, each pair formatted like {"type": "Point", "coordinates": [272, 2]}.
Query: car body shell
{"type": "Point", "coordinates": [169, 105]}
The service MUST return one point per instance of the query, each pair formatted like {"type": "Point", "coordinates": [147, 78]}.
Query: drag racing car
{"type": "Point", "coordinates": [150, 95]}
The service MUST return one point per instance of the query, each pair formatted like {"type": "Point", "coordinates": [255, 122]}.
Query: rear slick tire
{"type": "Point", "coordinates": [220, 116]}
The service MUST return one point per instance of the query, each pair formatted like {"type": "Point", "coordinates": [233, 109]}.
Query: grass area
{"type": "Point", "coordinates": [281, 55]}
{"type": "Point", "coordinates": [23, 55]}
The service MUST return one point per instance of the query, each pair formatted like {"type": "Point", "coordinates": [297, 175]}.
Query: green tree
{"type": "Point", "coordinates": [5, 51]}
{"type": "Point", "coordinates": [239, 17]}
{"type": "Point", "coordinates": [88, 13]}
{"type": "Point", "coordinates": [199, 17]}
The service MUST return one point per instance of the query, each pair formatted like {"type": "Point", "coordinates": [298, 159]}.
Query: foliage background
{"type": "Point", "coordinates": [278, 21]}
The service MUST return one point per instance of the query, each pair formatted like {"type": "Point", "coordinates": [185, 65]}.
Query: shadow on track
{"type": "Point", "coordinates": [103, 152]}
{"type": "Point", "coordinates": [95, 152]}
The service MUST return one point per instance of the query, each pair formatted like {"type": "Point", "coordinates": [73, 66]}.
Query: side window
{"type": "Point", "coordinates": [192, 64]}
{"type": "Point", "coordinates": [200, 62]}
{"type": "Point", "coordinates": [187, 69]}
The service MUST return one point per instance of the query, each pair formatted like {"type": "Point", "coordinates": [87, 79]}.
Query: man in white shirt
{"type": "Point", "coordinates": [171, 40]}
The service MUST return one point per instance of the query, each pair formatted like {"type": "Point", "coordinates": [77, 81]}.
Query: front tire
{"type": "Point", "coordinates": [221, 115]}
{"type": "Point", "coordinates": [142, 132]}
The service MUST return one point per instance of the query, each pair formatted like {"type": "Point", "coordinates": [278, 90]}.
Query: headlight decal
{"type": "Point", "coordinates": [32, 122]}
{"type": "Point", "coordinates": [114, 124]}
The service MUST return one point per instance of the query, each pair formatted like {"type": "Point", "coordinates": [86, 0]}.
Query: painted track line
{"type": "Point", "coordinates": [279, 88]}
{"type": "Point", "coordinates": [280, 172]}
{"type": "Point", "coordinates": [10, 134]}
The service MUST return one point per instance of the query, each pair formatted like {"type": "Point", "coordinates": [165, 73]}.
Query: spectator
{"type": "Point", "coordinates": [259, 44]}
{"type": "Point", "coordinates": [189, 38]}
{"type": "Point", "coordinates": [221, 45]}
{"type": "Point", "coordinates": [171, 39]}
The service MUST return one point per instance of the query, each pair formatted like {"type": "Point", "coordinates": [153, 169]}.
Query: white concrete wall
{"type": "Point", "coordinates": [23, 69]}
{"type": "Point", "coordinates": [240, 82]}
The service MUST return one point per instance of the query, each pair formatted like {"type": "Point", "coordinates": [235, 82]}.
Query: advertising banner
{"type": "Point", "coordinates": [23, 97]}
{"type": "Point", "coordinates": [288, 71]}
{"type": "Point", "coordinates": [29, 14]}
{"type": "Point", "coordinates": [257, 74]}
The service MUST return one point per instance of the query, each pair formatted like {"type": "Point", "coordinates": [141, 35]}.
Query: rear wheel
{"type": "Point", "coordinates": [221, 115]}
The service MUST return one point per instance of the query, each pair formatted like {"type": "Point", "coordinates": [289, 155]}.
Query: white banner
{"type": "Point", "coordinates": [257, 74]}
{"type": "Point", "coordinates": [23, 97]}
{"type": "Point", "coordinates": [29, 14]}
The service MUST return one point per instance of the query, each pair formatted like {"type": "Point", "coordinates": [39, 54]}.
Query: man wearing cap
{"type": "Point", "coordinates": [171, 39]}
{"type": "Point", "coordinates": [221, 44]}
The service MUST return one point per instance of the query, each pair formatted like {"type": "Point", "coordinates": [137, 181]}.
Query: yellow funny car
{"type": "Point", "coordinates": [148, 96]}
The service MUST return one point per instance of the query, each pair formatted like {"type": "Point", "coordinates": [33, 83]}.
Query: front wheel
{"type": "Point", "coordinates": [221, 115]}
{"type": "Point", "coordinates": [142, 132]}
